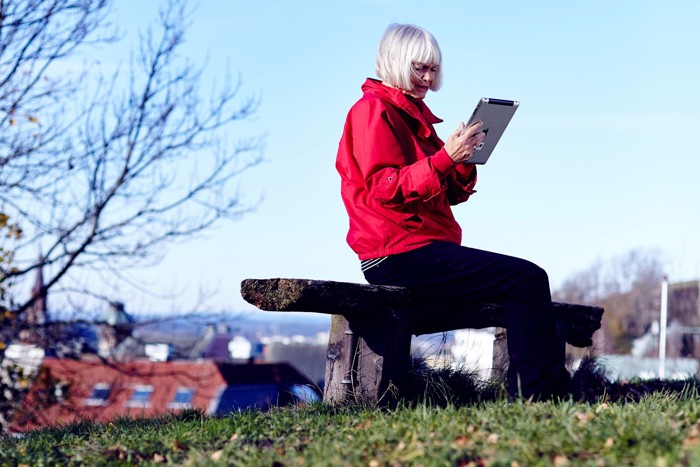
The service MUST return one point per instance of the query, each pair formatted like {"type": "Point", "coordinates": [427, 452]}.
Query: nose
{"type": "Point", "coordinates": [428, 76]}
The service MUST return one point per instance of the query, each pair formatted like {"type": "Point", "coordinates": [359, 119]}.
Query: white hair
{"type": "Point", "coordinates": [403, 46]}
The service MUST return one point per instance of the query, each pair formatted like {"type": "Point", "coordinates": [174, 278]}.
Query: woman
{"type": "Point", "coordinates": [398, 183]}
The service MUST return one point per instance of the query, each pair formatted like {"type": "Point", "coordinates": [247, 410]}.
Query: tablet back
{"type": "Point", "coordinates": [496, 114]}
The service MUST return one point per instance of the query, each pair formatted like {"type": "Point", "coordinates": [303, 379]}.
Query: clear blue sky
{"type": "Point", "coordinates": [601, 158]}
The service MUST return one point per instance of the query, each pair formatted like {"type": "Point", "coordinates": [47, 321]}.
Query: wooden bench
{"type": "Point", "coordinates": [371, 328]}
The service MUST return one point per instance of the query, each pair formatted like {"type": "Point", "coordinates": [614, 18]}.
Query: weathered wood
{"type": "Point", "coordinates": [366, 359]}
{"type": "Point", "coordinates": [340, 356]}
{"type": "Point", "coordinates": [500, 354]}
{"type": "Point", "coordinates": [362, 300]}
{"type": "Point", "coordinates": [314, 296]}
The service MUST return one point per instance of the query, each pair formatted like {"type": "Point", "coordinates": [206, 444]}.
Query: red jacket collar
{"type": "Point", "coordinates": [414, 107]}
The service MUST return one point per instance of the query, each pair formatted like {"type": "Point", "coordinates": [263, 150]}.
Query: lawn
{"type": "Point", "coordinates": [660, 429]}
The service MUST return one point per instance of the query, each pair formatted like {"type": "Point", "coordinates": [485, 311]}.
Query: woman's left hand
{"type": "Point", "coordinates": [461, 144]}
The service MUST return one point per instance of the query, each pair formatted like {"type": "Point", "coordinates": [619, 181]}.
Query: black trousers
{"type": "Point", "coordinates": [536, 348]}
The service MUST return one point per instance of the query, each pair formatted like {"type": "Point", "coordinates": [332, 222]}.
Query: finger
{"type": "Point", "coordinates": [474, 129]}
{"type": "Point", "coordinates": [459, 131]}
{"type": "Point", "coordinates": [474, 140]}
{"type": "Point", "coordinates": [477, 124]}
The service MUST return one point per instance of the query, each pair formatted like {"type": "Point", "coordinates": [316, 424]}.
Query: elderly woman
{"type": "Point", "coordinates": [398, 183]}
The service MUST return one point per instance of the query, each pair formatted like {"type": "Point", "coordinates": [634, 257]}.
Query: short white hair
{"type": "Point", "coordinates": [402, 46]}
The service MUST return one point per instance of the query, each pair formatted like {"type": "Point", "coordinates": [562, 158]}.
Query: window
{"type": "Point", "coordinates": [182, 399]}
{"type": "Point", "coordinates": [141, 397]}
{"type": "Point", "coordinates": [61, 391]}
{"type": "Point", "coordinates": [99, 395]}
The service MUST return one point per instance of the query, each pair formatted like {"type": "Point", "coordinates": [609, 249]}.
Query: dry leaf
{"type": "Point", "coordinates": [364, 425]}
{"type": "Point", "coordinates": [461, 440]}
{"type": "Point", "coordinates": [584, 418]}
{"type": "Point", "coordinates": [217, 455]}
{"type": "Point", "coordinates": [178, 445]}
{"type": "Point", "coordinates": [560, 460]}
{"type": "Point", "coordinates": [492, 438]}
{"type": "Point", "coordinates": [609, 442]}
{"type": "Point", "coordinates": [158, 458]}
{"type": "Point", "coordinates": [690, 441]}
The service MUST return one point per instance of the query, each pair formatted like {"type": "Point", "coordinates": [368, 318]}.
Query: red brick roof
{"type": "Point", "coordinates": [207, 379]}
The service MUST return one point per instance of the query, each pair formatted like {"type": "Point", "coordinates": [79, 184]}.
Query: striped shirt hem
{"type": "Point", "coordinates": [370, 263]}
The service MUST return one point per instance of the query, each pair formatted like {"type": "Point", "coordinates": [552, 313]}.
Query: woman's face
{"type": "Point", "coordinates": [422, 79]}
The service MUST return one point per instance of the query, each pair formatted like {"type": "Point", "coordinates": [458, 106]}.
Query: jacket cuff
{"type": "Point", "coordinates": [442, 162]}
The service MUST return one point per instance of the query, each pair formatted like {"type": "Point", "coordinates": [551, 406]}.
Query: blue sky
{"type": "Point", "coordinates": [600, 158]}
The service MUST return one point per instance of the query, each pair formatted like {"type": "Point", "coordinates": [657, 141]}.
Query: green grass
{"type": "Point", "coordinates": [661, 429]}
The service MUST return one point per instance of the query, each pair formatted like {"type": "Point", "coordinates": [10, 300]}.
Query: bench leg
{"type": "Point", "coordinates": [365, 362]}
{"type": "Point", "coordinates": [383, 361]}
{"type": "Point", "coordinates": [340, 356]}
{"type": "Point", "coordinates": [500, 355]}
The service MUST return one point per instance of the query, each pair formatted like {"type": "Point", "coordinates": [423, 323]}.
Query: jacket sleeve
{"type": "Point", "coordinates": [391, 179]}
{"type": "Point", "coordinates": [460, 183]}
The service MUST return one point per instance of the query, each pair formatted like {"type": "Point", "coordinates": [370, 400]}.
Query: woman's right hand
{"type": "Point", "coordinates": [461, 144]}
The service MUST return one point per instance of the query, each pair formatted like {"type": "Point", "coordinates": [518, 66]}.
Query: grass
{"type": "Point", "coordinates": [638, 423]}
{"type": "Point", "coordinates": [662, 429]}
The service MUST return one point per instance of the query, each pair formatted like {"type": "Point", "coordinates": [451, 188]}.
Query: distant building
{"type": "Point", "coordinates": [240, 348]}
{"type": "Point", "coordinates": [35, 315]}
{"type": "Point", "coordinates": [309, 358]}
{"type": "Point", "coordinates": [627, 367]}
{"type": "Point", "coordinates": [472, 350]}
{"type": "Point", "coordinates": [683, 326]}
{"type": "Point", "coordinates": [684, 303]}
{"type": "Point", "coordinates": [214, 344]}
{"type": "Point", "coordinates": [74, 390]}
{"type": "Point", "coordinates": [26, 357]}
{"type": "Point", "coordinates": [117, 327]}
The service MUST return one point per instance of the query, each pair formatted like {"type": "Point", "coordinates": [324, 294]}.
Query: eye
{"type": "Point", "coordinates": [423, 68]}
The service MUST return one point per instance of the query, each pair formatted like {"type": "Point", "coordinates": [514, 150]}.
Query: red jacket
{"type": "Point", "coordinates": [397, 181]}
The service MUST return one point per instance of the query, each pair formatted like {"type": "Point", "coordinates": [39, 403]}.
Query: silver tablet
{"type": "Point", "coordinates": [496, 114]}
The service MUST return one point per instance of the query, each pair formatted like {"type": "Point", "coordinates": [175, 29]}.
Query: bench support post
{"type": "Point", "coordinates": [340, 357]}
{"type": "Point", "coordinates": [500, 354]}
{"type": "Point", "coordinates": [367, 369]}
{"type": "Point", "coordinates": [384, 357]}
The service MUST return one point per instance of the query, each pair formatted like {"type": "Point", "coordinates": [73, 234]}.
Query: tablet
{"type": "Point", "coordinates": [496, 114]}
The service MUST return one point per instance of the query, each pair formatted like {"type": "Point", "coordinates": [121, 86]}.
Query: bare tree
{"type": "Point", "coordinates": [103, 172]}
{"type": "Point", "coordinates": [627, 286]}
{"type": "Point", "coordinates": [99, 172]}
